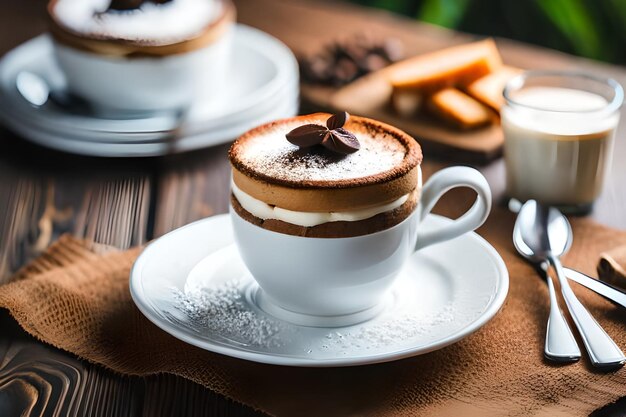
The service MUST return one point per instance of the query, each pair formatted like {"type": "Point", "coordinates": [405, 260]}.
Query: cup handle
{"type": "Point", "coordinates": [439, 184]}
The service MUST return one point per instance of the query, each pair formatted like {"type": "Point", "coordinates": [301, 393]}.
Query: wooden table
{"type": "Point", "coordinates": [45, 193]}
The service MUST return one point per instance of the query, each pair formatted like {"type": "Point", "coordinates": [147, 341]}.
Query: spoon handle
{"type": "Point", "coordinates": [560, 343]}
{"type": "Point", "coordinates": [602, 350]}
{"type": "Point", "coordinates": [609, 292]}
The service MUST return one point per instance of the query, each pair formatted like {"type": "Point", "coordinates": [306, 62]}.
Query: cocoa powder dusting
{"type": "Point", "coordinates": [271, 155]}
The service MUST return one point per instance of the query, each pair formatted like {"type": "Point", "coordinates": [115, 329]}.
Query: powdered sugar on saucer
{"type": "Point", "coordinates": [389, 331]}
{"type": "Point", "coordinates": [154, 24]}
{"type": "Point", "coordinates": [223, 311]}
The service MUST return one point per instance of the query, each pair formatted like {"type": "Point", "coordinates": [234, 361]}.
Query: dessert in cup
{"type": "Point", "coordinates": [142, 55]}
{"type": "Point", "coordinates": [326, 210]}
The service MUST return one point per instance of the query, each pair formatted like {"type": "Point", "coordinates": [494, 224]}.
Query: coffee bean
{"type": "Point", "coordinates": [343, 61]}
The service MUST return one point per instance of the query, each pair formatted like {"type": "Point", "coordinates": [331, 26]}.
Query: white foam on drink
{"type": "Point", "coordinates": [155, 24]}
{"type": "Point", "coordinates": [560, 99]}
{"type": "Point", "coordinates": [558, 111]}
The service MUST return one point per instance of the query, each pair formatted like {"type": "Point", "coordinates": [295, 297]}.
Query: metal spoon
{"type": "Point", "coordinates": [548, 235]}
{"type": "Point", "coordinates": [560, 343]}
{"type": "Point", "coordinates": [611, 293]}
{"type": "Point", "coordinates": [615, 295]}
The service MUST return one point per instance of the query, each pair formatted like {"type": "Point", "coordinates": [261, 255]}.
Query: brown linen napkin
{"type": "Point", "coordinates": [612, 266]}
{"type": "Point", "coordinates": [79, 301]}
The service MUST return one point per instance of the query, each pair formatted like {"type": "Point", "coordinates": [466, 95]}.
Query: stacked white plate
{"type": "Point", "coordinates": [263, 86]}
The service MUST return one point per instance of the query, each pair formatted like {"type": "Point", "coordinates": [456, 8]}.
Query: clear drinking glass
{"type": "Point", "coordinates": [559, 130]}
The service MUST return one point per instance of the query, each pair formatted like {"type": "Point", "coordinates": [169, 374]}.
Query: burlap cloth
{"type": "Point", "coordinates": [79, 301]}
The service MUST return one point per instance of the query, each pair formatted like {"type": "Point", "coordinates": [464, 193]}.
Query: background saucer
{"type": "Point", "coordinates": [263, 86]}
{"type": "Point", "coordinates": [209, 302]}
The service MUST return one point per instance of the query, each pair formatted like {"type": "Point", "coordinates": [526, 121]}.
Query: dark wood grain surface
{"type": "Point", "coordinates": [124, 203]}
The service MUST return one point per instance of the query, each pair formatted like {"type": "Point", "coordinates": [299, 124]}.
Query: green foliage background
{"type": "Point", "coordinates": [591, 28]}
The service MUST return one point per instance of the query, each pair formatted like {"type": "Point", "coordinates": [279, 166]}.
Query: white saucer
{"type": "Point", "coordinates": [263, 86]}
{"type": "Point", "coordinates": [192, 284]}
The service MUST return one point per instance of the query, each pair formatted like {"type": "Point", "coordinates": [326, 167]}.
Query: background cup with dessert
{"type": "Point", "coordinates": [143, 55]}
{"type": "Point", "coordinates": [326, 211]}
{"type": "Point", "coordinates": [559, 130]}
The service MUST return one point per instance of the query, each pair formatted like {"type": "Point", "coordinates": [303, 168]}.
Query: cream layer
{"type": "Point", "coordinates": [264, 211]}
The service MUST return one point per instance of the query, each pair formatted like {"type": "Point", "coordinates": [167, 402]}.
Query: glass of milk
{"type": "Point", "coordinates": [559, 129]}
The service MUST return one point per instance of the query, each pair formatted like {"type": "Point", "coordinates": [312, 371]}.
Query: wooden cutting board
{"type": "Point", "coordinates": [369, 96]}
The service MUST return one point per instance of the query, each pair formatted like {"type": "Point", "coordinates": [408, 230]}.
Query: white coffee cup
{"type": "Point", "coordinates": [146, 83]}
{"type": "Point", "coordinates": [342, 281]}
{"type": "Point", "coordinates": [140, 82]}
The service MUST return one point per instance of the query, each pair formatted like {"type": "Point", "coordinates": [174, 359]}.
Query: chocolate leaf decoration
{"type": "Point", "coordinates": [307, 135]}
{"type": "Point", "coordinates": [333, 137]}
{"type": "Point", "coordinates": [337, 120]}
{"type": "Point", "coordinates": [341, 141]}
